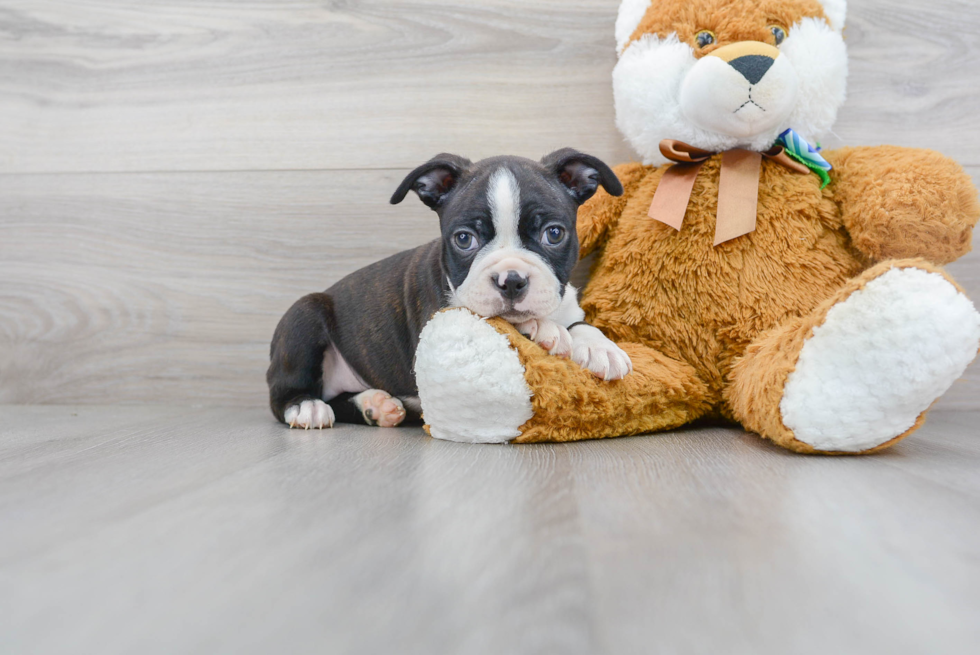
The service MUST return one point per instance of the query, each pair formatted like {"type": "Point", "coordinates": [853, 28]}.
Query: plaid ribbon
{"type": "Point", "coordinates": [798, 148]}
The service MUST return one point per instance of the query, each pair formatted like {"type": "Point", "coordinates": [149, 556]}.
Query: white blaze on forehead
{"type": "Point", "coordinates": [505, 208]}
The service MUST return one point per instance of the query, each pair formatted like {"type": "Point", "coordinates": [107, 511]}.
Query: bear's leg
{"type": "Point", "coordinates": [481, 381]}
{"type": "Point", "coordinates": [858, 373]}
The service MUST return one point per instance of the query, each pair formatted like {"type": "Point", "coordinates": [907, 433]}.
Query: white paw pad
{"type": "Point", "coordinates": [379, 408]}
{"type": "Point", "coordinates": [549, 335]}
{"type": "Point", "coordinates": [309, 414]}
{"type": "Point", "coordinates": [879, 360]}
{"type": "Point", "coordinates": [592, 350]}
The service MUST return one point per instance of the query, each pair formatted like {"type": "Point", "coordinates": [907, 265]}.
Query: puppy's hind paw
{"type": "Point", "coordinates": [379, 408]}
{"type": "Point", "coordinates": [309, 414]}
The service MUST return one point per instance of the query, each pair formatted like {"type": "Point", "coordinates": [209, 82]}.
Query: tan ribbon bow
{"type": "Point", "coordinates": [738, 188]}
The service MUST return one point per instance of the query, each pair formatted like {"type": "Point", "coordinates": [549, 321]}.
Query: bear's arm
{"type": "Point", "coordinates": [602, 211]}
{"type": "Point", "coordinates": [904, 202]}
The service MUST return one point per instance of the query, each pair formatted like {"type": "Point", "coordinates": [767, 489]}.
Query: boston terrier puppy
{"type": "Point", "coordinates": [507, 249]}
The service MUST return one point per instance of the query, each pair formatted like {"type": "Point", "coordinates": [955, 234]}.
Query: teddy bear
{"type": "Point", "coordinates": [750, 276]}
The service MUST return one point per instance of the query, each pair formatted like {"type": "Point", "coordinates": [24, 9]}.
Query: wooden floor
{"type": "Point", "coordinates": [166, 530]}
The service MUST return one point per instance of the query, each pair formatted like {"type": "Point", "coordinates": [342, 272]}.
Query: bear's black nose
{"type": "Point", "coordinates": [752, 67]}
{"type": "Point", "coordinates": [513, 286]}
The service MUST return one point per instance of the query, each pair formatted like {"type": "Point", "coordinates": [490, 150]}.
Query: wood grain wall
{"type": "Point", "coordinates": [175, 173]}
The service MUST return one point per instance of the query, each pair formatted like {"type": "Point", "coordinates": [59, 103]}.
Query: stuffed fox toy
{"type": "Point", "coordinates": [749, 276]}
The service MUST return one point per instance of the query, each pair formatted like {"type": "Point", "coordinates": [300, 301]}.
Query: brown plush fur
{"type": "Point", "coordinates": [901, 202]}
{"type": "Point", "coordinates": [729, 21]}
{"type": "Point", "coordinates": [698, 308]}
{"type": "Point", "coordinates": [703, 304]}
{"type": "Point", "coordinates": [571, 404]}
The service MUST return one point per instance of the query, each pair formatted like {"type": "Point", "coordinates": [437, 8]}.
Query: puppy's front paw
{"type": "Point", "coordinates": [549, 335]}
{"type": "Point", "coordinates": [592, 350]}
{"type": "Point", "coordinates": [308, 414]}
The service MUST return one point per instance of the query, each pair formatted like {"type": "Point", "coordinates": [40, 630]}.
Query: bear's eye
{"type": "Point", "coordinates": [705, 38]}
{"type": "Point", "coordinates": [778, 33]}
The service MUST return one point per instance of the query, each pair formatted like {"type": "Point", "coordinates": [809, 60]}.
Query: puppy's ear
{"type": "Point", "coordinates": [581, 174]}
{"type": "Point", "coordinates": [433, 180]}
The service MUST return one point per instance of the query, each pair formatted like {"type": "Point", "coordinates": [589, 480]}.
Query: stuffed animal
{"type": "Point", "coordinates": [750, 276]}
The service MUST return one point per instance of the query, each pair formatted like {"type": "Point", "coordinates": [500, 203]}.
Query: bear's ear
{"type": "Point", "coordinates": [631, 12]}
{"type": "Point", "coordinates": [836, 11]}
{"type": "Point", "coordinates": [434, 180]}
{"type": "Point", "coordinates": [581, 174]}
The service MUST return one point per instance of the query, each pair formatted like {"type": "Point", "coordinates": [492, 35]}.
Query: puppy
{"type": "Point", "coordinates": [507, 249]}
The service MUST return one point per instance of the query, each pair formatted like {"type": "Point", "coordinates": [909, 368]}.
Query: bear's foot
{"type": "Point", "coordinates": [859, 373]}
{"type": "Point", "coordinates": [471, 382]}
{"type": "Point", "coordinates": [880, 359]}
{"type": "Point", "coordinates": [480, 381]}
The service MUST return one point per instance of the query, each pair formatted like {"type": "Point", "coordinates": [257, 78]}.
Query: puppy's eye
{"type": "Point", "coordinates": [705, 38]}
{"type": "Point", "coordinates": [465, 241]}
{"type": "Point", "coordinates": [778, 33]}
{"type": "Point", "coordinates": [554, 235]}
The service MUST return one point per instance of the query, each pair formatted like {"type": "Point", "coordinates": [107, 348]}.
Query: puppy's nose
{"type": "Point", "coordinates": [752, 59]}
{"type": "Point", "coordinates": [512, 285]}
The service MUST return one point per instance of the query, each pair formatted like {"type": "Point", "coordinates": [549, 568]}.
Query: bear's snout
{"type": "Point", "coordinates": [740, 90]}
{"type": "Point", "coordinates": [752, 59]}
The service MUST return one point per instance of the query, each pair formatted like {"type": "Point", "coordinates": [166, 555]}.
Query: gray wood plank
{"type": "Point", "coordinates": [169, 529]}
{"type": "Point", "coordinates": [167, 287]}
{"type": "Point", "coordinates": [965, 392]}
{"type": "Point", "coordinates": [124, 85]}
{"type": "Point", "coordinates": [129, 85]}
{"type": "Point", "coordinates": [913, 76]}
{"type": "Point", "coordinates": [164, 287]}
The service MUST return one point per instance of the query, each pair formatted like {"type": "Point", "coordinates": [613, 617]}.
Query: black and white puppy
{"type": "Point", "coordinates": [507, 249]}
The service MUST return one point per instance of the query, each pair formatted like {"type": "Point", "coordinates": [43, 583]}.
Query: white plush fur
{"type": "Point", "coordinates": [820, 59]}
{"type": "Point", "coordinates": [717, 98]}
{"type": "Point", "coordinates": [631, 12]}
{"type": "Point", "coordinates": [879, 360]}
{"type": "Point", "coordinates": [836, 11]}
{"type": "Point", "coordinates": [652, 72]}
{"type": "Point", "coordinates": [460, 356]}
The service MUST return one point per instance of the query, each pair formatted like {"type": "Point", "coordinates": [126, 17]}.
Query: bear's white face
{"type": "Point", "coordinates": [743, 102]}
{"type": "Point", "coordinates": [725, 79]}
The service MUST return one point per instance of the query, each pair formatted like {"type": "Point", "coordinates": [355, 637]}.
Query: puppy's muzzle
{"type": "Point", "coordinates": [512, 286]}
